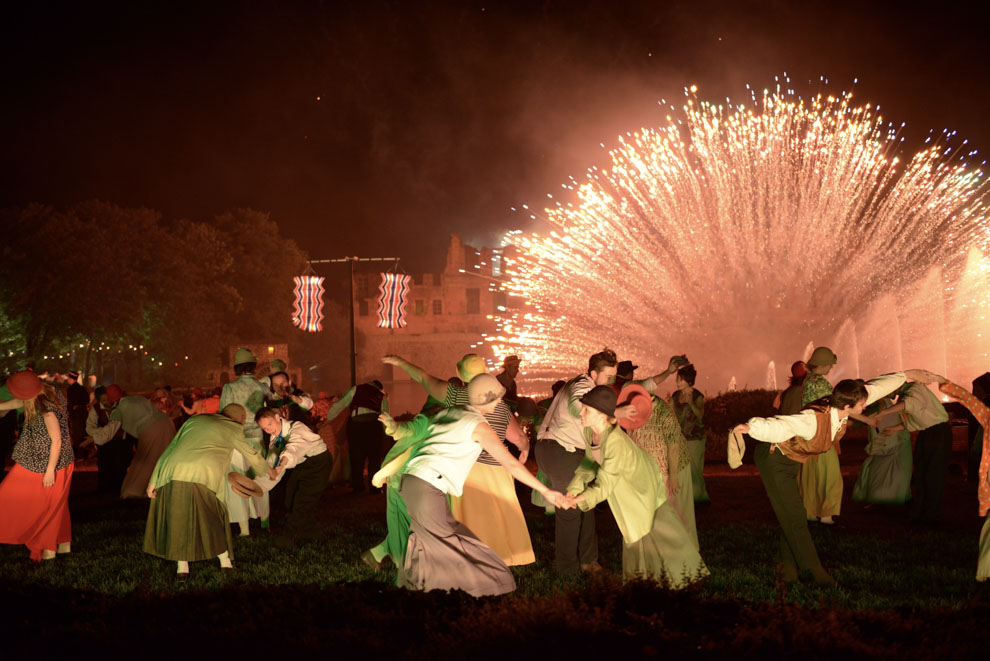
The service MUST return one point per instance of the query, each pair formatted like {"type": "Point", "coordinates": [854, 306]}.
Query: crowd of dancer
{"type": "Point", "coordinates": [453, 516]}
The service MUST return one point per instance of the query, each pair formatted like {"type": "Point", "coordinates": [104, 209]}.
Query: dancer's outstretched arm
{"type": "Point", "coordinates": [488, 439]}
{"type": "Point", "coordinates": [436, 388]}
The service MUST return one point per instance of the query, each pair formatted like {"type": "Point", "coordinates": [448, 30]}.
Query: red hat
{"type": "Point", "coordinates": [635, 394]}
{"type": "Point", "coordinates": [114, 393]}
{"type": "Point", "coordinates": [24, 385]}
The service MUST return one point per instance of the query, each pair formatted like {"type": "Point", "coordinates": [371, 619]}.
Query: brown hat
{"type": "Point", "coordinates": [244, 486]}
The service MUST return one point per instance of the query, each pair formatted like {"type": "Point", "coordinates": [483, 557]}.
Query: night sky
{"type": "Point", "coordinates": [377, 128]}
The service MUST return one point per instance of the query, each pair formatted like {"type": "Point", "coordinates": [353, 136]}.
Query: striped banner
{"type": "Point", "coordinates": [307, 311]}
{"type": "Point", "coordinates": [392, 300]}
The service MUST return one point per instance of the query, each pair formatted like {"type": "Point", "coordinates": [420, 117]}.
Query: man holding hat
{"type": "Point", "coordinates": [153, 430]}
{"type": "Point", "coordinates": [187, 519]}
{"type": "Point", "coordinates": [249, 393]}
{"type": "Point", "coordinates": [625, 372]}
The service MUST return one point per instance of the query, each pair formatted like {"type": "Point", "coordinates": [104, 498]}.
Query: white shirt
{"type": "Point", "coordinates": [100, 435]}
{"type": "Point", "coordinates": [451, 451]}
{"type": "Point", "coordinates": [300, 442]}
{"type": "Point", "coordinates": [562, 424]}
{"type": "Point", "coordinates": [781, 428]}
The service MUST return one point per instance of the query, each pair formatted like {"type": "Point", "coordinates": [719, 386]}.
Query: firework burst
{"type": "Point", "coordinates": [739, 233]}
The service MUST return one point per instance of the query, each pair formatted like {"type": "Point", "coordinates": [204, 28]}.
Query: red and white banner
{"type": "Point", "coordinates": [392, 300]}
{"type": "Point", "coordinates": [308, 306]}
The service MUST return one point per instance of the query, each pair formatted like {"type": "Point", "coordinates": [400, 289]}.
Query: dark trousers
{"type": "Point", "coordinates": [575, 542]}
{"type": "Point", "coordinates": [365, 439]}
{"type": "Point", "coordinates": [304, 486]}
{"type": "Point", "coordinates": [112, 460]}
{"type": "Point", "coordinates": [932, 451]}
{"type": "Point", "coordinates": [779, 475]}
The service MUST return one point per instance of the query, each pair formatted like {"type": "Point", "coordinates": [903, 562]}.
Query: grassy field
{"type": "Point", "coordinates": [904, 592]}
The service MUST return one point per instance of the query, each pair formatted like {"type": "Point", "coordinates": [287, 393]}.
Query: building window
{"type": "Point", "coordinates": [437, 307]}
{"type": "Point", "coordinates": [474, 301]}
{"type": "Point", "coordinates": [496, 264]}
{"type": "Point", "coordinates": [420, 308]}
{"type": "Point", "coordinates": [363, 307]}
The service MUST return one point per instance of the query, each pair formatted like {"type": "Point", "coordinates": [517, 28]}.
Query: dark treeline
{"type": "Point", "coordinates": [93, 281]}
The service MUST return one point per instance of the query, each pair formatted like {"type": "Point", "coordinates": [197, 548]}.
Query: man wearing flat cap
{"type": "Point", "coordinates": [507, 377]}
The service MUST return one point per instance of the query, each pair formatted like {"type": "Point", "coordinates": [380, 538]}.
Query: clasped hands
{"type": "Point", "coordinates": [563, 501]}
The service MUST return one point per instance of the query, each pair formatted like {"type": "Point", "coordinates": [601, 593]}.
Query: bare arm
{"type": "Point", "coordinates": [55, 433]}
{"type": "Point", "coordinates": [486, 437]}
{"type": "Point", "coordinates": [515, 435]}
{"type": "Point", "coordinates": [11, 404]}
{"type": "Point", "coordinates": [436, 388]}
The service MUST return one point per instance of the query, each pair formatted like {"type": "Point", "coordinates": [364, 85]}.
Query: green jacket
{"type": "Point", "coordinates": [628, 477]}
{"type": "Point", "coordinates": [135, 414]}
{"type": "Point", "coordinates": [201, 452]}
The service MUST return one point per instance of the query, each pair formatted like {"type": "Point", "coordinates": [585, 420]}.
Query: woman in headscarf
{"type": "Point", "coordinates": [34, 496]}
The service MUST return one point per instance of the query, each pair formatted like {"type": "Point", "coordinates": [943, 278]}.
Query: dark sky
{"type": "Point", "coordinates": [432, 118]}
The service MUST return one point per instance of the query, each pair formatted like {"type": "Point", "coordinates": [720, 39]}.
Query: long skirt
{"type": "Point", "coordinates": [683, 502]}
{"type": "Point", "coordinates": [820, 482]}
{"type": "Point", "coordinates": [442, 553]}
{"type": "Point", "coordinates": [983, 562]}
{"type": "Point", "coordinates": [239, 509]}
{"type": "Point", "coordinates": [33, 515]}
{"type": "Point", "coordinates": [697, 449]}
{"type": "Point", "coordinates": [886, 478]}
{"type": "Point", "coordinates": [186, 521]}
{"type": "Point", "coordinates": [666, 554]}
{"type": "Point", "coordinates": [150, 445]}
{"type": "Point", "coordinates": [490, 508]}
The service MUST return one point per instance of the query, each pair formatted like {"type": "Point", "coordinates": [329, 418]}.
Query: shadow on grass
{"type": "Point", "coordinates": [371, 620]}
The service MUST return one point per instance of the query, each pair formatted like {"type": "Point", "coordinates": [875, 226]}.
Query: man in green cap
{"type": "Point", "coordinates": [249, 393]}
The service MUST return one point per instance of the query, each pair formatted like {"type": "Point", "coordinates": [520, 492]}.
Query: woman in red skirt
{"type": "Point", "coordinates": [34, 496]}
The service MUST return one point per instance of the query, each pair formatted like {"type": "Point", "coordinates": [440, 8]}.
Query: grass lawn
{"type": "Point", "coordinates": [904, 592]}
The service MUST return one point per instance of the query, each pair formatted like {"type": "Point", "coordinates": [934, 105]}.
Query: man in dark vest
{"type": "Point", "coordinates": [788, 442]}
{"type": "Point", "coordinates": [365, 434]}
{"type": "Point", "coordinates": [114, 448]}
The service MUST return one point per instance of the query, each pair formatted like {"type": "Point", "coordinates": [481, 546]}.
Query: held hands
{"type": "Point", "coordinates": [273, 473]}
{"type": "Point", "coordinates": [558, 500]}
